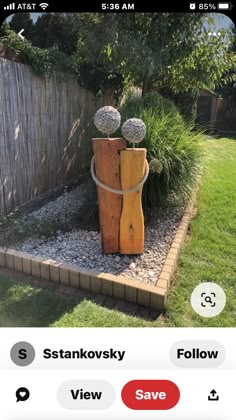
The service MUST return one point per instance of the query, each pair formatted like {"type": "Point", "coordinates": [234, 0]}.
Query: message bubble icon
{"type": "Point", "coordinates": [22, 394]}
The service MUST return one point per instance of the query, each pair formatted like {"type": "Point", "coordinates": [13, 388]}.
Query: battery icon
{"type": "Point", "coordinates": [224, 6]}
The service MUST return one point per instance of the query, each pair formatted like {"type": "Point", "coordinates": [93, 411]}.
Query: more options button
{"type": "Point", "coordinates": [197, 354]}
{"type": "Point", "coordinates": [86, 395]}
{"type": "Point", "coordinates": [150, 395]}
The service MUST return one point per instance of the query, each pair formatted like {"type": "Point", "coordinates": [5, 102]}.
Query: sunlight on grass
{"type": "Point", "coordinates": [208, 255]}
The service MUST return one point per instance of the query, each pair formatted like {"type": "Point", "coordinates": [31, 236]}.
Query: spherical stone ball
{"type": "Point", "coordinates": [156, 166]}
{"type": "Point", "coordinates": [107, 120]}
{"type": "Point", "coordinates": [134, 130]}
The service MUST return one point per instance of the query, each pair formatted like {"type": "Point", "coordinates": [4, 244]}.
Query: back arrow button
{"type": "Point", "coordinates": [20, 34]}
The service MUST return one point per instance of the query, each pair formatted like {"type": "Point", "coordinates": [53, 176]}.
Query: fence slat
{"type": "Point", "coordinates": [46, 126]}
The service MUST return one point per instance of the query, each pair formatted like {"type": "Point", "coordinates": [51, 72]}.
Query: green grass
{"type": "Point", "coordinates": [22, 305]}
{"type": "Point", "coordinates": [208, 255]}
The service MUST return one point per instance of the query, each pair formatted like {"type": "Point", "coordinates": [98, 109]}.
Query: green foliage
{"type": "Point", "coordinates": [210, 64]}
{"type": "Point", "coordinates": [138, 45]}
{"type": "Point", "coordinates": [20, 21]}
{"type": "Point", "coordinates": [60, 42]}
{"type": "Point", "coordinates": [43, 61]}
{"type": "Point", "coordinates": [227, 113]}
{"type": "Point", "coordinates": [210, 252]}
{"type": "Point", "coordinates": [172, 142]}
{"type": "Point", "coordinates": [159, 49]}
{"type": "Point", "coordinates": [93, 60]}
{"type": "Point", "coordinates": [106, 50]}
{"type": "Point", "coordinates": [56, 30]}
{"type": "Point", "coordinates": [186, 102]}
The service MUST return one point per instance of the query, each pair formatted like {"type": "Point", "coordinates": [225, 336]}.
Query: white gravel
{"type": "Point", "coordinates": [83, 248]}
{"type": "Point", "coordinates": [61, 209]}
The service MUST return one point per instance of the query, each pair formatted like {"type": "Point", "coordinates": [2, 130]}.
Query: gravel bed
{"type": "Point", "coordinates": [83, 248]}
{"type": "Point", "coordinates": [62, 209]}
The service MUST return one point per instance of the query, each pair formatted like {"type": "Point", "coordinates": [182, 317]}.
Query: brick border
{"type": "Point", "coordinates": [151, 296]}
{"type": "Point", "coordinates": [169, 267]}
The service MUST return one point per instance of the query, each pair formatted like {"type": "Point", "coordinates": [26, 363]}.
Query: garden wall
{"type": "Point", "coordinates": [46, 125]}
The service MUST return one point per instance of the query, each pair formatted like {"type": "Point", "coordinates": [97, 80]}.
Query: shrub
{"type": "Point", "coordinates": [186, 102]}
{"type": "Point", "coordinates": [172, 143]}
{"type": "Point", "coordinates": [42, 60]}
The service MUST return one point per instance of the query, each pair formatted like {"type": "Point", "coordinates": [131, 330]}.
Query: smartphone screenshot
{"type": "Point", "coordinates": [117, 210]}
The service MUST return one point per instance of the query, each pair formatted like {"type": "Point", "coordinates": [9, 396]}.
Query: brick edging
{"type": "Point", "coordinates": [168, 270]}
{"type": "Point", "coordinates": [153, 297]}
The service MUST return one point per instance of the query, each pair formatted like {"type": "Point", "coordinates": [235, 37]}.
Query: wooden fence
{"type": "Point", "coordinates": [46, 126]}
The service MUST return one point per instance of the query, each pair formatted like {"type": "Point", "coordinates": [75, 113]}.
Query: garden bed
{"type": "Point", "coordinates": [82, 248]}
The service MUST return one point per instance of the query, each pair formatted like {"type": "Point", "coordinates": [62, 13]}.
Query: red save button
{"type": "Point", "coordinates": [150, 395]}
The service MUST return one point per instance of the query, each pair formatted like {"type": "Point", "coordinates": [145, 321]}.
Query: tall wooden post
{"type": "Point", "coordinates": [132, 169]}
{"type": "Point", "coordinates": [106, 153]}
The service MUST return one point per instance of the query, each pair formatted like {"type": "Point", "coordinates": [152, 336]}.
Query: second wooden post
{"type": "Point", "coordinates": [132, 169]}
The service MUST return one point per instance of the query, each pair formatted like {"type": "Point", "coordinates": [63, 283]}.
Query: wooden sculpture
{"type": "Point", "coordinates": [120, 175]}
{"type": "Point", "coordinates": [132, 169]}
{"type": "Point", "coordinates": [106, 154]}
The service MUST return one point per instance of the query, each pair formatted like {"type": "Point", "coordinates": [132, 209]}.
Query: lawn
{"type": "Point", "coordinates": [209, 254]}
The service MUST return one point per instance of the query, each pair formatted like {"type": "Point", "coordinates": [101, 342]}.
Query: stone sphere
{"type": "Point", "coordinates": [155, 166]}
{"type": "Point", "coordinates": [107, 120]}
{"type": "Point", "coordinates": [134, 130]}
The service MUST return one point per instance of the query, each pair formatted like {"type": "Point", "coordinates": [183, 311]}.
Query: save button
{"type": "Point", "coordinates": [150, 395]}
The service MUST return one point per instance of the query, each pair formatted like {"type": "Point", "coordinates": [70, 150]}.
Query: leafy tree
{"type": "Point", "coordinates": [210, 64]}
{"type": "Point", "coordinates": [42, 60]}
{"type": "Point", "coordinates": [154, 42]}
{"type": "Point", "coordinates": [22, 21]}
{"type": "Point", "coordinates": [56, 30]}
{"type": "Point", "coordinates": [92, 61]}
{"type": "Point", "coordinates": [227, 113]}
{"type": "Point", "coordinates": [154, 49]}
{"type": "Point", "coordinates": [3, 28]}
{"type": "Point", "coordinates": [233, 48]}
{"type": "Point", "coordinates": [169, 51]}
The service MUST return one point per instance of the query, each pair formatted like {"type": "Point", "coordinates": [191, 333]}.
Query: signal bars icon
{"type": "Point", "coordinates": [11, 6]}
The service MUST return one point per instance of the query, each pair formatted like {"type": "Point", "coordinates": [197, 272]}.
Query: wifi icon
{"type": "Point", "coordinates": [44, 6]}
